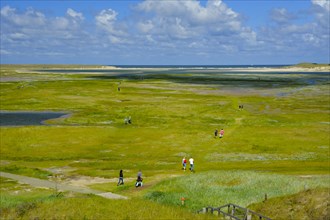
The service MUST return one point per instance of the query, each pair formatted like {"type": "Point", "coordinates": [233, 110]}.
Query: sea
{"type": "Point", "coordinates": [170, 69]}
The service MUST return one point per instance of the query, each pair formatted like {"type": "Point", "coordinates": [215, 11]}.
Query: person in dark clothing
{"type": "Point", "coordinates": [216, 133]}
{"type": "Point", "coordinates": [121, 178]}
{"type": "Point", "coordinates": [139, 181]}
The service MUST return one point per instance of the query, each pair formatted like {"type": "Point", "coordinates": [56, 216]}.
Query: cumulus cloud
{"type": "Point", "coordinates": [60, 23]}
{"type": "Point", "coordinates": [145, 26]}
{"type": "Point", "coordinates": [325, 4]}
{"type": "Point", "coordinates": [76, 15]}
{"type": "Point", "coordinates": [281, 15]}
{"type": "Point", "coordinates": [72, 20]}
{"type": "Point", "coordinates": [184, 24]}
{"type": "Point", "coordinates": [289, 34]}
{"type": "Point", "coordinates": [321, 10]}
{"type": "Point", "coordinates": [29, 18]}
{"type": "Point", "coordinates": [34, 22]}
{"type": "Point", "coordinates": [183, 19]}
{"type": "Point", "coordinates": [5, 52]}
{"type": "Point", "coordinates": [106, 20]}
{"type": "Point", "coordinates": [32, 31]}
{"type": "Point", "coordinates": [160, 27]}
{"type": "Point", "coordinates": [166, 29]}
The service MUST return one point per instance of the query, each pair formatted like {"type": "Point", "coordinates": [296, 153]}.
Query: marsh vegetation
{"type": "Point", "coordinates": [278, 144]}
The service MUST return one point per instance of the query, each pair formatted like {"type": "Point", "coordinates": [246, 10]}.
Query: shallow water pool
{"type": "Point", "coordinates": [27, 118]}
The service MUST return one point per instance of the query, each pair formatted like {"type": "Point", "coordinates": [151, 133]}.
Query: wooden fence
{"type": "Point", "coordinates": [232, 211]}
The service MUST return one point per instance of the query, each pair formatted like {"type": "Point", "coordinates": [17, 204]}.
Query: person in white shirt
{"type": "Point", "coordinates": [191, 161]}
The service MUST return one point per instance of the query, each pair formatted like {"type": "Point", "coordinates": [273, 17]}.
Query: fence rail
{"type": "Point", "coordinates": [234, 212]}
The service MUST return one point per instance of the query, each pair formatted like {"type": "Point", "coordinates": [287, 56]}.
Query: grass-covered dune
{"type": "Point", "coordinates": [278, 144]}
{"type": "Point", "coordinates": [312, 65]}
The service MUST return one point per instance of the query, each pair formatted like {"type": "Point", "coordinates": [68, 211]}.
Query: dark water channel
{"type": "Point", "coordinates": [27, 118]}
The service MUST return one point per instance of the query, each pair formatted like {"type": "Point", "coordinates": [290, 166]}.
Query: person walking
{"type": "Point", "coordinates": [121, 178]}
{"type": "Point", "coordinates": [139, 182]}
{"type": "Point", "coordinates": [139, 179]}
{"type": "Point", "coordinates": [191, 161]}
{"type": "Point", "coordinates": [221, 133]}
{"type": "Point", "coordinates": [184, 163]}
{"type": "Point", "coordinates": [216, 133]}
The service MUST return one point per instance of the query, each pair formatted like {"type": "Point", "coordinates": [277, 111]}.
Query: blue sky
{"type": "Point", "coordinates": [165, 32]}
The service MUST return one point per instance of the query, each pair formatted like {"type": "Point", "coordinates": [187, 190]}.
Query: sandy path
{"type": "Point", "coordinates": [61, 187]}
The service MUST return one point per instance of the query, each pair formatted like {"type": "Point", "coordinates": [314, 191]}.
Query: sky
{"type": "Point", "coordinates": [165, 32]}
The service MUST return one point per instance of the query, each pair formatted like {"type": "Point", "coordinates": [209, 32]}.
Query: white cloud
{"type": "Point", "coordinates": [281, 15]}
{"type": "Point", "coordinates": [76, 15]}
{"type": "Point", "coordinates": [5, 52]}
{"type": "Point", "coordinates": [192, 16]}
{"type": "Point", "coordinates": [145, 26]}
{"type": "Point", "coordinates": [32, 32]}
{"type": "Point", "coordinates": [179, 20]}
{"type": "Point", "coordinates": [249, 36]}
{"type": "Point", "coordinates": [18, 36]}
{"type": "Point", "coordinates": [310, 38]}
{"type": "Point", "coordinates": [71, 21]}
{"type": "Point", "coordinates": [190, 11]}
{"type": "Point", "coordinates": [321, 11]}
{"type": "Point", "coordinates": [7, 11]}
{"type": "Point", "coordinates": [325, 4]}
{"type": "Point", "coordinates": [29, 18]}
{"type": "Point", "coordinates": [168, 29]}
{"type": "Point", "coordinates": [289, 34]}
{"type": "Point", "coordinates": [107, 20]}
{"type": "Point", "coordinates": [60, 23]}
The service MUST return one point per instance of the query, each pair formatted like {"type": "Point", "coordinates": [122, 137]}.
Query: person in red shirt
{"type": "Point", "coordinates": [184, 163]}
{"type": "Point", "coordinates": [221, 133]}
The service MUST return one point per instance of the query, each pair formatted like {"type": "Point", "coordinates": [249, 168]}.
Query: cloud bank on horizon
{"type": "Point", "coordinates": [164, 32]}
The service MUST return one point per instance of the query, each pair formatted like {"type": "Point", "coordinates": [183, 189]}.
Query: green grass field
{"type": "Point", "coordinates": [278, 144]}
